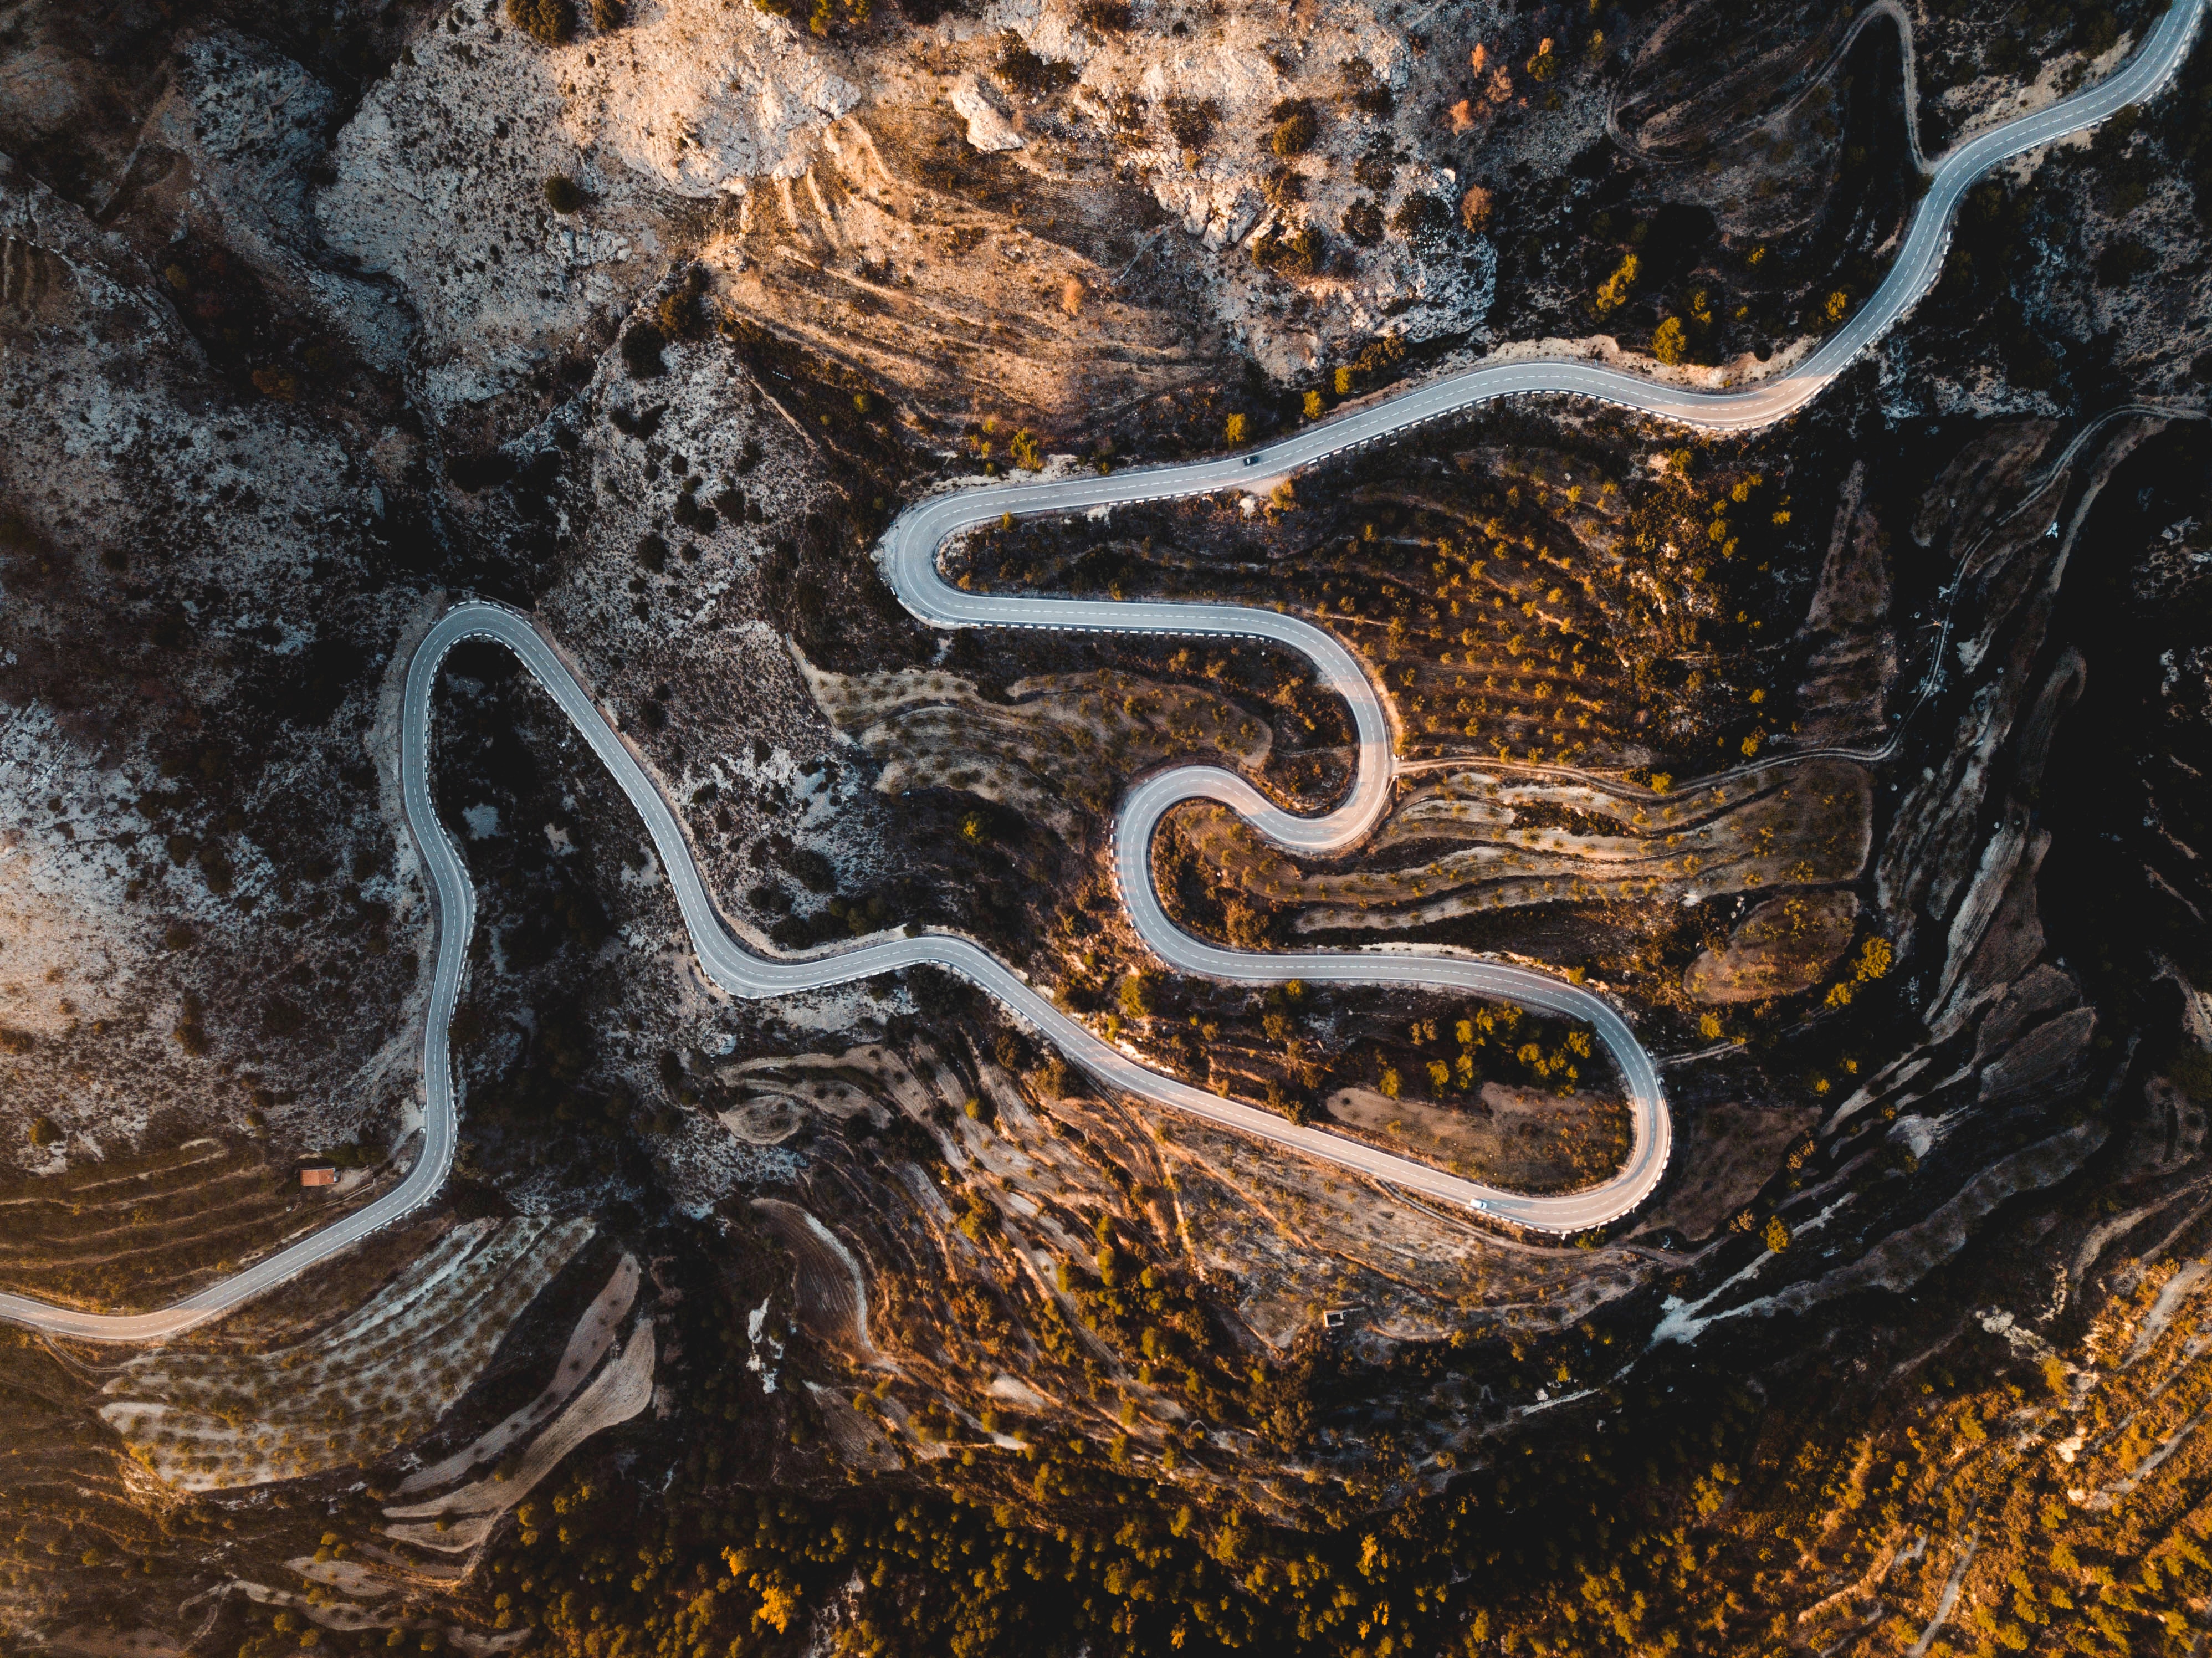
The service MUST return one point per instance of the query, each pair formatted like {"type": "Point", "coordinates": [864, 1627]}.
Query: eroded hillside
{"type": "Point", "coordinates": [1859, 762]}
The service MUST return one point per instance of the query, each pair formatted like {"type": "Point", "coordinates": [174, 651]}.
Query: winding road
{"type": "Point", "coordinates": [910, 554]}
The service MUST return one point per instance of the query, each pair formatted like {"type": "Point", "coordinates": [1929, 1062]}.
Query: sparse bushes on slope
{"type": "Point", "coordinates": [681, 314]}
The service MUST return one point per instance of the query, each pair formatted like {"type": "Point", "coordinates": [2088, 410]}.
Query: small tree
{"type": "Point", "coordinates": [1236, 429]}
{"type": "Point", "coordinates": [1669, 342]}
{"type": "Point", "coordinates": [1777, 1236]}
{"type": "Point", "coordinates": [1136, 997]}
{"type": "Point", "coordinates": [561, 194]}
{"type": "Point", "coordinates": [1475, 208]}
{"type": "Point", "coordinates": [1613, 292]}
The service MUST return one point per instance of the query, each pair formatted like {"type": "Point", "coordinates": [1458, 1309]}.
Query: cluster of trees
{"type": "Point", "coordinates": [1488, 1042]}
{"type": "Point", "coordinates": [1683, 1534]}
{"type": "Point", "coordinates": [1148, 1308]}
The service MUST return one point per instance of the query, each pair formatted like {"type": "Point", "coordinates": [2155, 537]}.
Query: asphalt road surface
{"type": "Point", "coordinates": [745, 967]}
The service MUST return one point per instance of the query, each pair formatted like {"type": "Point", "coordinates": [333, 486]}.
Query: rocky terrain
{"type": "Point", "coordinates": [1863, 762]}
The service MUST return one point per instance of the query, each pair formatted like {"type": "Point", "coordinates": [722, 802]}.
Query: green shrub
{"type": "Point", "coordinates": [2122, 261]}
{"type": "Point", "coordinates": [1295, 253]}
{"type": "Point", "coordinates": [1421, 218]}
{"type": "Point", "coordinates": [608, 15]}
{"type": "Point", "coordinates": [1377, 167]}
{"type": "Point", "coordinates": [562, 194]}
{"type": "Point", "coordinates": [1192, 120]}
{"type": "Point", "coordinates": [1294, 134]}
{"type": "Point", "coordinates": [1019, 69]}
{"type": "Point", "coordinates": [549, 22]}
{"type": "Point", "coordinates": [641, 342]}
{"type": "Point", "coordinates": [45, 1131]}
{"type": "Point", "coordinates": [1668, 344]}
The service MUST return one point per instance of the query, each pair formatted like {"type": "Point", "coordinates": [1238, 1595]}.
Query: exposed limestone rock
{"type": "Point", "coordinates": [2001, 857]}
{"type": "Point", "coordinates": [228, 151]}
{"type": "Point", "coordinates": [1983, 479]}
{"type": "Point", "coordinates": [988, 130]}
{"type": "Point", "coordinates": [2009, 582]}
{"type": "Point", "coordinates": [1848, 679]}
{"type": "Point", "coordinates": [1728, 1154]}
{"type": "Point", "coordinates": [2011, 940]}
{"type": "Point", "coordinates": [2044, 1052]}
{"type": "Point", "coordinates": [2046, 990]}
{"type": "Point", "coordinates": [1902, 1260]}
{"type": "Point", "coordinates": [2060, 693]}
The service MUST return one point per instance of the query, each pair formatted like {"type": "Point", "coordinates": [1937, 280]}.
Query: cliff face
{"type": "Point", "coordinates": [1863, 762]}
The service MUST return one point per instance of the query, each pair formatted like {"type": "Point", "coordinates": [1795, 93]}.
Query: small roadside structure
{"type": "Point", "coordinates": [318, 1173]}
